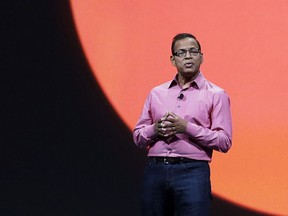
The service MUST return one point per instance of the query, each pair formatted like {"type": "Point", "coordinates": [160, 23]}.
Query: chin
{"type": "Point", "coordinates": [189, 73]}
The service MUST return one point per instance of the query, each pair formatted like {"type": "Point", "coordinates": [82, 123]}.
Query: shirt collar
{"type": "Point", "coordinates": [197, 82]}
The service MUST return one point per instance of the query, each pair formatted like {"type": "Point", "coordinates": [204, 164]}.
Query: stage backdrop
{"type": "Point", "coordinates": [127, 45]}
{"type": "Point", "coordinates": [74, 77]}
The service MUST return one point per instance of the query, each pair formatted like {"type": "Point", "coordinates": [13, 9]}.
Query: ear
{"type": "Point", "coordinates": [202, 58]}
{"type": "Point", "coordinates": [172, 59]}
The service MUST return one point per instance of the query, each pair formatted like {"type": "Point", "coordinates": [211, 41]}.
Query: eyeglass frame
{"type": "Point", "coordinates": [192, 51]}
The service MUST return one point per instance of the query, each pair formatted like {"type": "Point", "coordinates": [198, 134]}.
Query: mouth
{"type": "Point", "coordinates": [188, 64]}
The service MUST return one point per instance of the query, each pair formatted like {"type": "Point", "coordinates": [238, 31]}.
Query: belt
{"type": "Point", "coordinates": [171, 160]}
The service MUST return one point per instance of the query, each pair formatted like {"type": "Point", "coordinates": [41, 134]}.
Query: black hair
{"type": "Point", "coordinates": [182, 36]}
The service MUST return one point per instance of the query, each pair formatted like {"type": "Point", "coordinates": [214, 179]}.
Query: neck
{"type": "Point", "coordinates": [186, 80]}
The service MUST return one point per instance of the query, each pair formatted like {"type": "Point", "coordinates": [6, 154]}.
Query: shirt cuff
{"type": "Point", "coordinates": [150, 133]}
{"type": "Point", "coordinates": [192, 129]}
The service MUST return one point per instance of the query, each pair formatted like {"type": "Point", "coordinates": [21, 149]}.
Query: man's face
{"type": "Point", "coordinates": [187, 59]}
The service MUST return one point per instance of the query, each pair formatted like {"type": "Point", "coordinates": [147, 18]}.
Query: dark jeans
{"type": "Point", "coordinates": [181, 189]}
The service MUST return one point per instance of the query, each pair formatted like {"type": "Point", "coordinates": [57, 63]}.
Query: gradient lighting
{"type": "Point", "coordinates": [127, 44]}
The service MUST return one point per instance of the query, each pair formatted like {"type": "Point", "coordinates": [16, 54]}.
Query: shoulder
{"type": "Point", "coordinates": [213, 88]}
{"type": "Point", "coordinates": [216, 93]}
{"type": "Point", "coordinates": [158, 91]}
{"type": "Point", "coordinates": [162, 87]}
{"type": "Point", "coordinates": [207, 86]}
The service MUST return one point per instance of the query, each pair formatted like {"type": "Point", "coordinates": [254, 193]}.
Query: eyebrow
{"type": "Point", "coordinates": [191, 48]}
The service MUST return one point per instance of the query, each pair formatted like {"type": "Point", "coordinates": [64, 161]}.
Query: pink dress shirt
{"type": "Point", "coordinates": [204, 105]}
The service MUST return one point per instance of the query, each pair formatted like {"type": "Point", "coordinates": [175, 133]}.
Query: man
{"type": "Point", "coordinates": [182, 122]}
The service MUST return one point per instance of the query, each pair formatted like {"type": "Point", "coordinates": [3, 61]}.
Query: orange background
{"type": "Point", "coordinates": [127, 44]}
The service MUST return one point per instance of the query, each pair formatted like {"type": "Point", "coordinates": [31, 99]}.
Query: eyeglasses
{"type": "Point", "coordinates": [183, 52]}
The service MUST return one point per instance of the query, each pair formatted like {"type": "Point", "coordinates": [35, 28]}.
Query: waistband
{"type": "Point", "coordinates": [173, 160]}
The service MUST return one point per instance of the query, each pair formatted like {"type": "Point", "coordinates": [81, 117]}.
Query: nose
{"type": "Point", "coordinates": [188, 54]}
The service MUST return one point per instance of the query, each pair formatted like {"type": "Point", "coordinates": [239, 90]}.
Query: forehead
{"type": "Point", "coordinates": [186, 43]}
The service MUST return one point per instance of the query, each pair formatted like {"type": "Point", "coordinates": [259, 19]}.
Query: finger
{"type": "Point", "coordinates": [166, 114]}
{"type": "Point", "coordinates": [171, 119]}
{"type": "Point", "coordinates": [174, 130]}
{"type": "Point", "coordinates": [172, 114]}
{"type": "Point", "coordinates": [159, 121]}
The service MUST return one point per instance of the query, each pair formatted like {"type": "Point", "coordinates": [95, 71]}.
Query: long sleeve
{"type": "Point", "coordinates": [219, 135]}
{"type": "Point", "coordinates": [143, 134]}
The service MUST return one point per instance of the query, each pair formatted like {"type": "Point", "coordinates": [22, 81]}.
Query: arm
{"type": "Point", "coordinates": [219, 136]}
{"type": "Point", "coordinates": [147, 130]}
{"type": "Point", "coordinates": [143, 133]}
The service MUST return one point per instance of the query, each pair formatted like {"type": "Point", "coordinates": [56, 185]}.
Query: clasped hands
{"type": "Point", "coordinates": [169, 125]}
